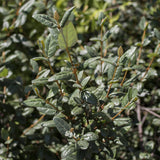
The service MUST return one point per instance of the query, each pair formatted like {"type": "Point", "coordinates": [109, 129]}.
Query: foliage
{"type": "Point", "coordinates": [81, 83]}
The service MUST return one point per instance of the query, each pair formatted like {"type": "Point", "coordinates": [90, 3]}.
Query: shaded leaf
{"type": "Point", "coordinates": [69, 153]}
{"type": "Point", "coordinates": [67, 36]}
{"type": "Point", "coordinates": [90, 136]}
{"type": "Point", "coordinates": [39, 58]}
{"type": "Point", "coordinates": [66, 16]}
{"type": "Point", "coordinates": [61, 125]}
{"type": "Point", "coordinates": [40, 81]}
{"type": "Point", "coordinates": [142, 23]}
{"type": "Point", "coordinates": [89, 98]}
{"type": "Point", "coordinates": [90, 60]}
{"type": "Point", "coordinates": [45, 20]}
{"type": "Point", "coordinates": [83, 144]}
{"type": "Point", "coordinates": [85, 81]}
{"type": "Point", "coordinates": [51, 46]}
{"type": "Point", "coordinates": [64, 75]}
{"type": "Point", "coordinates": [76, 111]}
{"type": "Point", "coordinates": [4, 134]}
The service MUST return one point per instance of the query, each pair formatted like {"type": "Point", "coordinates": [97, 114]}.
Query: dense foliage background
{"type": "Point", "coordinates": [135, 26]}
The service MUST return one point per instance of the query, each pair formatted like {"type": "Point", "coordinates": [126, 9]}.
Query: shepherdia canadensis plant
{"type": "Point", "coordinates": [85, 94]}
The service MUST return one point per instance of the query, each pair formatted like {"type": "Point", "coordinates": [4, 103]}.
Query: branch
{"type": "Point", "coordinates": [151, 112]}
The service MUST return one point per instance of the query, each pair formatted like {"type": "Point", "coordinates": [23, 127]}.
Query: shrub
{"type": "Point", "coordinates": [86, 95]}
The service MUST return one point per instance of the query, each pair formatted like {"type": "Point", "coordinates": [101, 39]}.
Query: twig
{"type": "Point", "coordinates": [147, 69]}
{"type": "Point", "coordinates": [101, 48]}
{"type": "Point", "coordinates": [140, 50]}
{"type": "Point", "coordinates": [113, 77]}
{"type": "Point", "coordinates": [132, 100]}
{"type": "Point", "coordinates": [59, 86]}
{"type": "Point", "coordinates": [31, 126]}
{"type": "Point", "coordinates": [151, 112]}
{"type": "Point", "coordinates": [69, 55]}
{"type": "Point", "coordinates": [46, 101]}
{"type": "Point", "coordinates": [51, 69]}
{"type": "Point", "coordinates": [153, 109]}
{"type": "Point", "coordinates": [140, 129]}
{"type": "Point", "coordinates": [125, 75]}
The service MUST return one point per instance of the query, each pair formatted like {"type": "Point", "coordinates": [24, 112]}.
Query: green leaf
{"type": "Point", "coordinates": [22, 17]}
{"type": "Point", "coordinates": [49, 123]}
{"type": "Point", "coordinates": [34, 102]}
{"type": "Point", "coordinates": [52, 92]}
{"type": "Point", "coordinates": [146, 42]}
{"type": "Point", "coordinates": [149, 146]}
{"type": "Point", "coordinates": [108, 61]}
{"type": "Point", "coordinates": [90, 136]}
{"type": "Point", "coordinates": [68, 153]}
{"type": "Point", "coordinates": [76, 111]}
{"type": "Point", "coordinates": [80, 75]}
{"type": "Point", "coordinates": [144, 155]}
{"type": "Point", "coordinates": [129, 54]}
{"type": "Point", "coordinates": [27, 111]}
{"type": "Point", "coordinates": [122, 121]}
{"type": "Point", "coordinates": [91, 50]}
{"type": "Point", "coordinates": [142, 23]}
{"type": "Point", "coordinates": [34, 65]}
{"type": "Point", "coordinates": [157, 33]}
{"type": "Point", "coordinates": [51, 45]}
{"type": "Point", "coordinates": [45, 20]}
{"type": "Point", "coordinates": [85, 81]}
{"type": "Point", "coordinates": [66, 16]}
{"type": "Point", "coordinates": [83, 144]}
{"type": "Point", "coordinates": [40, 81]}
{"type": "Point", "coordinates": [40, 105]}
{"type": "Point", "coordinates": [156, 121]}
{"type": "Point", "coordinates": [67, 36]}
{"type": "Point", "coordinates": [90, 60]}
{"type": "Point", "coordinates": [39, 58]}
{"type": "Point", "coordinates": [100, 18]}
{"type": "Point", "coordinates": [75, 94]}
{"type": "Point", "coordinates": [110, 71]}
{"type": "Point", "coordinates": [64, 75]}
{"type": "Point", "coordinates": [118, 72]}
{"type": "Point", "coordinates": [27, 6]}
{"type": "Point", "coordinates": [110, 32]}
{"type": "Point", "coordinates": [89, 98]}
{"type": "Point", "coordinates": [151, 55]}
{"type": "Point", "coordinates": [61, 125]}
{"type": "Point", "coordinates": [4, 134]}
{"type": "Point", "coordinates": [3, 72]}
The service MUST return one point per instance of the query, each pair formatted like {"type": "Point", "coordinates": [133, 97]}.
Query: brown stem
{"type": "Point", "coordinates": [140, 129]}
{"type": "Point", "coordinates": [147, 69]}
{"type": "Point", "coordinates": [51, 69]}
{"type": "Point", "coordinates": [125, 75]}
{"type": "Point", "coordinates": [105, 53]}
{"type": "Point", "coordinates": [151, 112]}
{"type": "Point", "coordinates": [113, 77]}
{"type": "Point", "coordinates": [4, 88]}
{"type": "Point", "coordinates": [8, 138]}
{"type": "Point", "coordinates": [152, 109]}
{"type": "Point", "coordinates": [59, 86]}
{"type": "Point", "coordinates": [140, 50]}
{"type": "Point", "coordinates": [31, 126]}
{"type": "Point", "coordinates": [101, 48]}
{"type": "Point", "coordinates": [4, 92]}
{"type": "Point", "coordinates": [46, 101]}
{"type": "Point", "coordinates": [132, 100]}
{"type": "Point", "coordinates": [73, 69]}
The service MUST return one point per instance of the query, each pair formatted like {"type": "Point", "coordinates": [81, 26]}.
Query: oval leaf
{"type": "Point", "coordinates": [61, 125]}
{"type": "Point", "coordinates": [90, 136]}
